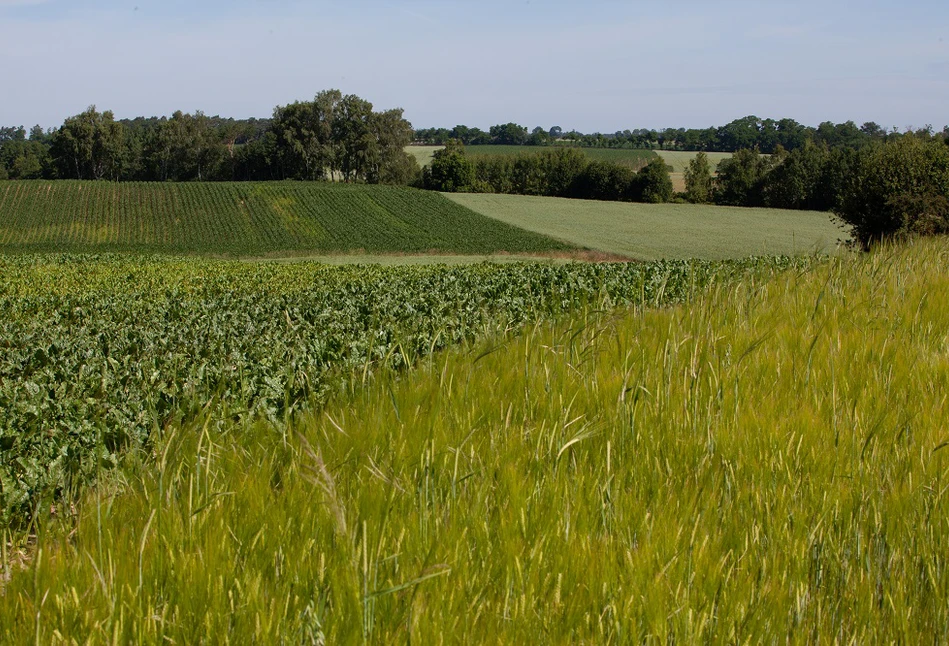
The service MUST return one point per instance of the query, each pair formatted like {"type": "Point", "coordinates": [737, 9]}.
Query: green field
{"type": "Point", "coordinates": [652, 231]}
{"type": "Point", "coordinates": [634, 159]}
{"type": "Point", "coordinates": [764, 463]}
{"type": "Point", "coordinates": [679, 160]}
{"type": "Point", "coordinates": [423, 154]}
{"type": "Point", "coordinates": [100, 353]}
{"type": "Point", "coordinates": [249, 219]}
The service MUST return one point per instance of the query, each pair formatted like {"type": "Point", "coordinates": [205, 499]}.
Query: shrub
{"type": "Point", "coordinates": [897, 188]}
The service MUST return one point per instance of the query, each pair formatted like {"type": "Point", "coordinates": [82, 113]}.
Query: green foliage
{"type": "Point", "coordinates": [606, 181]}
{"type": "Point", "coordinates": [896, 188]}
{"type": "Point", "coordinates": [101, 354]}
{"type": "Point", "coordinates": [762, 465]}
{"type": "Point", "coordinates": [740, 179]}
{"type": "Point", "coordinates": [631, 158]}
{"type": "Point", "coordinates": [509, 134]}
{"type": "Point", "coordinates": [698, 180]}
{"type": "Point", "coordinates": [89, 146]}
{"type": "Point", "coordinates": [653, 182]}
{"type": "Point", "coordinates": [247, 219]}
{"type": "Point", "coordinates": [450, 171]}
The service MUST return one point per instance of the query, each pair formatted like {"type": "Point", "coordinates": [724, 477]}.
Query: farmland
{"type": "Point", "coordinates": [762, 463]}
{"type": "Point", "coordinates": [678, 160]}
{"type": "Point", "coordinates": [422, 154]}
{"type": "Point", "coordinates": [653, 231]}
{"type": "Point", "coordinates": [101, 353]}
{"type": "Point", "coordinates": [249, 219]}
{"type": "Point", "coordinates": [633, 158]}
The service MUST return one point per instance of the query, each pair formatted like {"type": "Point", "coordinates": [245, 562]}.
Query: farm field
{"type": "Point", "coordinates": [632, 158]}
{"type": "Point", "coordinates": [762, 463]}
{"type": "Point", "coordinates": [249, 219]}
{"type": "Point", "coordinates": [628, 157]}
{"type": "Point", "coordinates": [100, 353]}
{"type": "Point", "coordinates": [654, 231]}
{"type": "Point", "coordinates": [679, 160]}
{"type": "Point", "coordinates": [423, 154]}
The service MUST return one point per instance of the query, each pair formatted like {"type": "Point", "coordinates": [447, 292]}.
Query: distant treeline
{"type": "Point", "coordinates": [885, 189]}
{"type": "Point", "coordinates": [767, 135]}
{"type": "Point", "coordinates": [333, 136]}
{"type": "Point", "coordinates": [558, 172]}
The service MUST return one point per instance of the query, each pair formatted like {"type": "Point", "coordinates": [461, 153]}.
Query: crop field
{"type": "Point", "coordinates": [678, 160]}
{"type": "Point", "coordinates": [632, 158]}
{"type": "Point", "coordinates": [101, 353]}
{"type": "Point", "coordinates": [654, 231]}
{"type": "Point", "coordinates": [764, 462]}
{"type": "Point", "coordinates": [423, 154]}
{"type": "Point", "coordinates": [248, 219]}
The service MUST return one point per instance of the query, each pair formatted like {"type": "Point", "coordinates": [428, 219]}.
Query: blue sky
{"type": "Point", "coordinates": [598, 65]}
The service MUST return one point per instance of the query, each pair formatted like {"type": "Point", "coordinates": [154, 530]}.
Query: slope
{"type": "Point", "coordinates": [248, 219]}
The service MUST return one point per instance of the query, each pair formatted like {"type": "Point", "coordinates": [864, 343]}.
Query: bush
{"type": "Point", "coordinates": [698, 180]}
{"type": "Point", "coordinates": [897, 188]}
{"type": "Point", "coordinates": [740, 179]}
{"type": "Point", "coordinates": [450, 171]}
{"type": "Point", "coordinates": [653, 182]}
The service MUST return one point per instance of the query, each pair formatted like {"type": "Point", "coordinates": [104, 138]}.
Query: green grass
{"type": "Point", "coordinates": [423, 154]}
{"type": "Point", "coordinates": [653, 231]}
{"type": "Point", "coordinates": [250, 219]}
{"type": "Point", "coordinates": [101, 352]}
{"type": "Point", "coordinates": [764, 464]}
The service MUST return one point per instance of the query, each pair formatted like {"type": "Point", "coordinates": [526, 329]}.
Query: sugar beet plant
{"type": "Point", "coordinates": [101, 353]}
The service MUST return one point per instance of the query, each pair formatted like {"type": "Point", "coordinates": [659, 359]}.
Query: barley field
{"type": "Point", "coordinates": [762, 463]}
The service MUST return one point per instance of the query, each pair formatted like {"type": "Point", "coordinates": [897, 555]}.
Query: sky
{"type": "Point", "coordinates": [593, 65]}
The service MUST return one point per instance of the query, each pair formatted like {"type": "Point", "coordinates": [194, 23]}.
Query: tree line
{"type": "Point", "coordinates": [886, 189]}
{"type": "Point", "coordinates": [766, 135]}
{"type": "Point", "coordinates": [331, 137]}
{"type": "Point", "coordinates": [557, 172]}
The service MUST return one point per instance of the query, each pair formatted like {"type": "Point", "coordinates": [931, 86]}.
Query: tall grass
{"type": "Point", "coordinates": [765, 464]}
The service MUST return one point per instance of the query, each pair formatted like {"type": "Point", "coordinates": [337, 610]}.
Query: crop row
{"type": "Point", "coordinates": [247, 218]}
{"type": "Point", "coordinates": [100, 353]}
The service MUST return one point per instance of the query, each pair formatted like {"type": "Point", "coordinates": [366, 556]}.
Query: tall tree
{"type": "Point", "coordinates": [698, 180]}
{"type": "Point", "coordinates": [89, 146]}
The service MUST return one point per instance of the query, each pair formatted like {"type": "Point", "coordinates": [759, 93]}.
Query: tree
{"type": "Point", "coordinates": [509, 134]}
{"type": "Point", "coordinates": [740, 179]}
{"type": "Point", "coordinates": [185, 148]}
{"type": "Point", "coordinates": [897, 188]}
{"type": "Point", "coordinates": [555, 132]}
{"type": "Point", "coordinates": [450, 170]}
{"type": "Point", "coordinates": [539, 137]}
{"type": "Point", "coordinates": [303, 131]}
{"type": "Point", "coordinates": [355, 144]}
{"type": "Point", "coordinates": [794, 184]}
{"type": "Point", "coordinates": [392, 164]}
{"type": "Point", "coordinates": [654, 183]}
{"type": "Point", "coordinates": [698, 180]}
{"type": "Point", "coordinates": [89, 146]}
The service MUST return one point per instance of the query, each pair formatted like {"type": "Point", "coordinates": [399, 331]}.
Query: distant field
{"type": "Point", "coordinates": [423, 154]}
{"type": "Point", "coordinates": [654, 231]}
{"type": "Point", "coordinates": [249, 219]}
{"type": "Point", "coordinates": [679, 160]}
{"type": "Point", "coordinates": [635, 159]}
